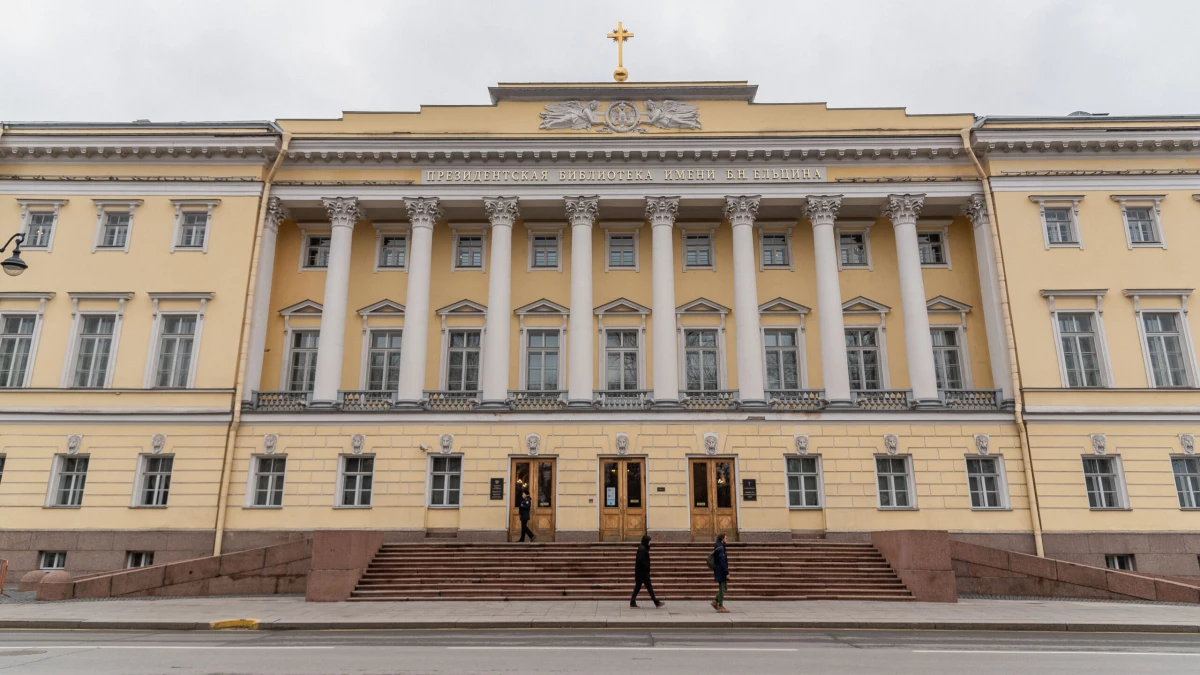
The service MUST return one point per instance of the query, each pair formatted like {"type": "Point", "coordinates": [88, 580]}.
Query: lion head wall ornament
{"type": "Point", "coordinates": [801, 444]}
{"type": "Point", "coordinates": [73, 443]}
{"type": "Point", "coordinates": [269, 443]}
{"type": "Point", "coordinates": [356, 443]}
{"type": "Point", "coordinates": [1188, 443]}
{"type": "Point", "coordinates": [531, 443]}
{"type": "Point", "coordinates": [447, 443]}
{"type": "Point", "coordinates": [1099, 444]}
{"type": "Point", "coordinates": [710, 443]}
{"type": "Point", "coordinates": [157, 443]}
{"type": "Point", "coordinates": [981, 443]}
{"type": "Point", "coordinates": [891, 443]}
{"type": "Point", "coordinates": [622, 443]}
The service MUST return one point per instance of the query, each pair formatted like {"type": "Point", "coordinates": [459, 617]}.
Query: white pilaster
{"type": "Point", "coordinates": [276, 214]}
{"type": "Point", "coordinates": [423, 214]}
{"type": "Point", "coordinates": [903, 210]}
{"type": "Point", "coordinates": [581, 211]}
{"type": "Point", "coordinates": [740, 212]}
{"type": "Point", "coordinates": [502, 212]}
{"type": "Point", "coordinates": [343, 213]}
{"type": "Point", "coordinates": [989, 288]}
{"type": "Point", "coordinates": [822, 211]}
{"type": "Point", "coordinates": [661, 212]}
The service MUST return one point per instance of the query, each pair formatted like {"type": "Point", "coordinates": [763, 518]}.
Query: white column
{"type": "Point", "coordinates": [502, 212]}
{"type": "Point", "coordinates": [581, 211]}
{"type": "Point", "coordinates": [343, 213]}
{"type": "Point", "coordinates": [276, 214]}
{"type": "Point", "coordinates": [903, 210]}
{"type": "Point", "coordinates": [989, 289]}
{"type": "Point", "coordinates": [661, 212]}
{"type": "Point", "coordinates": [822, 211]}
{"type": "Point", "coordinates": [740, 212]}
{"type": "Point", "coordinates": [423, 214]}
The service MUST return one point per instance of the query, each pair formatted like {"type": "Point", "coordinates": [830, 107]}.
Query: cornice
{"type": "Point", "coordinates": [1106, 139]}
{"type": "Point", "coordinates": [140, 147]}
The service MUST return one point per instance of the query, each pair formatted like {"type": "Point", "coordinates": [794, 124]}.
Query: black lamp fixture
{"type": "Point", "coordinates": [13, 265]}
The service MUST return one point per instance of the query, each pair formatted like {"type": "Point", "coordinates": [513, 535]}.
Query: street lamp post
{"type": "Point", "coordinates": [13, 265]}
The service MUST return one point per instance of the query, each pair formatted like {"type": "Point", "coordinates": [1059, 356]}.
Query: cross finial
{"type": "Point", "coordinates": [620, 35]}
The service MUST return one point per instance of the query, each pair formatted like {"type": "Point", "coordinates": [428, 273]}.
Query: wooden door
{"type": "Point", "coordinates": [714, 499]}
{"type": "Point", "coordinates": [622, 499]}
{"type": "Point", "coordinates": [536, 475]}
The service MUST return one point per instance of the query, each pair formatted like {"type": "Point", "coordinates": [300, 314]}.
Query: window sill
{"type": "Point", "coordinates": [314, 269]}
{"type": "Point", "coordinates": [468, 269]}
{"type": "Point", "coordinates": [1147, 244]}
{"type": "Point", "coordinates": [898, 508]}
{"type": "Point", "coordinates": [263, 508]}
{"type": "Point", "coordinates": [188, 249]}
{"type": "Point", "coordinates": [1068, 244]}
{"type": "Point", "coordinates": [344, 507]}
{"type": "Point", "coordinates": [1109, 508]}
{"type": "Point", "coordinates": [62, 506]}
{"type": "Point", "coordinates": [805, 508]}
{"type": "Point", "coordinates": [437, 506]}
{"type": "Point", "coordinates": [148, 506]}
{"type": "Point", "coordinates": [935, 267]}
{"type": "Point", "coordinates": [992, 508]}
{"type": "Point", "coordinates": [391, 269]}
{"type": "Point", "coordinates": [689, 268]}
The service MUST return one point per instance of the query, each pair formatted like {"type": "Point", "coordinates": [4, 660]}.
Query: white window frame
{"type": "Point", "coordinates": [185, 206]}
{"type": "Point", "coordinates": [383, 230]}
{"type": "Point", "coordinates": [106, 206]}
{"type": "Point", "coordinates": [909, 475]}
{"type": "Point", "coordinates": [777, 308]}
{"type": "Point", "coordinates": [56, 475]}
{"type": "Point", "coordinates": [460, 311]}
{"type": "Point", "coordinates": [1119, 474]}
{"type": "Point", "coordinates": [38, 315]}
{"type": "Point", "coordinates": [850, 227]}
{"type": "Point", "coordinates": [561, 350]}
{"type": "Point", "coordinates": [1112, 561]}
{"type": "Point", "coordinates": [944, 306]}
{"type": "Point", "coordinates": [960, 336]}
{"type": "Point", "coordinates": [469, 230]}
{"type": "Point", "coordinates": [766, 228]}
{"type": "Point", "coordinates": [543, 230]}
{"type": "Point", "coordinates": [623, 230]}
{"type": "Point", "coordinates": [429, 481]}
{"type": "Point", "coordinates": [1069, 202]}
{"type": "Point", "coordinates": [1185, 331]}
{"type": "Point", "coordinates": [364, 378]}
{"type": "Point", "coordinates": [142, 558]}
{"type": "Point", "coordinates": [251, 478]}
{"type": "Point", "coordinates": [305, 309]}
{"type": "Point", "coordinates": [445, 370]}
{"type": "Point", "coordinates": [285, 368]}
{"type": "Point", "coordinates": [156, 334]}
{"type": "Point", "coordinates": [384, 309]}
{"type": "Point", "coordinates": [67, 379]}
{"type": "Point", "coordinates": [307, 232]}
{"type": "Point", "coordinates": [139, 485]}
{"type": "Point", "coordinates": [801, 369]}
{"type": "Point", "coordinates": [1151, 202]}
{"type": "Point", "coordinates": [29, 207]}
{"type": "Point", "coordinates": [1175, 479]}
{"type": "Point", "coordinates": [617, 309]}
{"type": "Point", "coordinates": [697, 229]}
{"type": "Point", "coordinates": [1106, 376]}
{"type": "Point", "coordinates": [944, 231]}
{"type": "Point", "coordinates": [3, 461]}
{"type": "Point", "coordinates": [704, 308]}
{"type": "Point", "coordinates": [787, 492]}
{"type": "Point", "coordinates": [1001, 482]}
{"type": "Point", "coordinates": [56, 556]}
{"type": "Point", "coordinates": [884, 379]}
{"type": "Point", "coordinates": [339, 499]}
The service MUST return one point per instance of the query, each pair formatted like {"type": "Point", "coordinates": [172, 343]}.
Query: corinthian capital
{"type": "Point", "coordinates": [976, 210]}
{"type": "Point", "coordinates": [822, 209]}
{"type": "Point", "coordinates": [423, 211]}
{"type": "Point", "coordinates": [276, 213]}
{"type": "Point", "coordinates": [741, 210]}
{"type": "Point", "coordinates": [343, 211]}
{"type": "Point", "coordinates": [903, 209]}
{"type": "Point", "coordinates": [583, 210]}
{"type": "Point", "coordinates": [662, 210]}
{"type": "Point", "coordinates": [501, 211]}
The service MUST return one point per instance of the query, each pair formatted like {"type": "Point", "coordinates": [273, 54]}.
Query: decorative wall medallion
{"type": "Point", "coordinates": [620, 117]}
{"type": "Point", "coordinates": [531, 442]}
{"type": "Point", "coordinates": [981, 443]}
{"type": "Point", "coordinates": [356, 443]}
{"type": "Point", "coordinates": [1099, 443]}
{"type": "Point", "coordinates": [710, 443]}
{"type": "Point", "coordinates": [447, 441]}
{"type": "Point", "coordinates": [269, 443]}
{"type": "Point", "coordinates": [622, 443]}
{"type": "Point", "coordinates": [157, 443]}
{"type": "Point", "coordinates": [1188, 441]}
{"type": "Point", "coordinates": [891, 443]}
{"type": "Point", "coordinates": [801, 444]}
{"type": "Point", "coordinates": [73, 443]}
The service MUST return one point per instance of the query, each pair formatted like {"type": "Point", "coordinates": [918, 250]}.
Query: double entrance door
{"type": "Point", "coordinates": [713, 498]}
{"type": "Point", "coordinates": [622, 499]}
{"type": "Point", "coordinates": [536, 476]}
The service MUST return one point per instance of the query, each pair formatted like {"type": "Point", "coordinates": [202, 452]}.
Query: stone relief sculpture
{"type": "Point", "coordinates": [157, 443]}
{"type": "Point", "coordinates": [73, 442]}
{"type": "Point", "coordinates": [801, 444]}
{"type": "Point", "coordinates": [622, 443]}
{"type": "Point", "coordinates": [531, 442]}
{"type": "Point", "coordinates": [447, 441]}
{"type": "Point", "coordinates": [570, 115]}
{"type": "Point", "coordinates": [710, 443]}
{"type": "Point", "coordinates": [981, 443]}
{"type": "Point", "coordinates": [1188, 442]}
{"type": "Point", "coordinates": [891, 443]}
{"type": "Point", "coordinates": [620, 117]}
{"type": "Point", "coordinates": [269, 442]}
{"type": "Point", "coordinates": [356, 443]}
{"type": "Point", "coordinates": [672, 115]}
{"type": "Point", "coordinates": [1099, 443]}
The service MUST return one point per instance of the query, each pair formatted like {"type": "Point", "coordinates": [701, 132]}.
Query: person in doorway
{"type": "Point", "coordinates": [720, 572]}
{"type": "Point", "coordinates": [523, 509]}
{"type": "Point", "coordinates": [641, 573]}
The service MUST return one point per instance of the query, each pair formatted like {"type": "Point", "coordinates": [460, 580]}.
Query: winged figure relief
{"type": "Point", "coordinates": [672, 115]}
{"type": "Point", "coordinates": [570, 115]}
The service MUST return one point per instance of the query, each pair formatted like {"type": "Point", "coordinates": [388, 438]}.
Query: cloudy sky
{"type": "Point", "coordinates": [256, 59]}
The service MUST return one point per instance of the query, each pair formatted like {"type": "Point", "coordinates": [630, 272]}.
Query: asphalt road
{"type": "Point", "coordinates": [759, 651]}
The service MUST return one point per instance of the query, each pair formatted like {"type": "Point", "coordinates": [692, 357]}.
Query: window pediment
{"type": "Point", "coordinates": [943, 304]}
{"type": "Point", "coordinates": [701, 306]}
{"type": "Point", "coordinates": [622, 306]}
{"type": "Point", "coordinates": [463, 307]}
{"type": "Point", "coordinates": [542, 306]}
{"type": "Point", "coordinates": [302, 308]}
{"type": "Point", "coordinates": [782, 306]}
{"type": "Point", "coordinates": [862, 305]}
{"type": "Point", "coordinates": [382, 308]}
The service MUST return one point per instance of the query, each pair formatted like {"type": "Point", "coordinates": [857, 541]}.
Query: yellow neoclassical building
{"type": "Point", "coordinates": [653, 307]}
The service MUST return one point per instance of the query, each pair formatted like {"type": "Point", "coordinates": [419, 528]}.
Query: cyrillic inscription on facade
{"type": "Point", "coordinates": [808, 174]}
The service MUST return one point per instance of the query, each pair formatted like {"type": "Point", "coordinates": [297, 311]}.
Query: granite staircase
{"type": "Point", "coordinates": [796, 570]}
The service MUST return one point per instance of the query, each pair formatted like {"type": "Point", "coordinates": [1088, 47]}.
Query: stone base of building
{"type": "Point", "coordinates": [91, 551]}
{"type": "Point", "coordinates": [1170, 554]}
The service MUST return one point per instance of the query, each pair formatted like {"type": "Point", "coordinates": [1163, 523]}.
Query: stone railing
{"type": "Point", "coordinates": [451, 400]}
{"type": "Point", "coordinates": [366, 400]}
{"type": "Point", "coordinates": [883, 399]}
{"type": "Point", "coordinates": [281, 400]}
{"type": "Point", "coordinates": [796, 399]}
{"type": "Point", "coordinates": [622, 399]}
{"type": "Point", "coordinates": [717, 399]}
{"type": "Point", "coordinates": [971, 399]}
{"type": "Point", "coordinates": [536, 400]}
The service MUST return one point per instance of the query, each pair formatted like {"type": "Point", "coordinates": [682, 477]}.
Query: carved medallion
{"type": "Point", "coordinates": [620, 117]}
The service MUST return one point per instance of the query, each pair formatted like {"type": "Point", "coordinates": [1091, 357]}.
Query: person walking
{"type": "Point", "coordinates": [641, 573]}
{"type": "Point", "coordinates": [523, 508]}
{"type": "Point", "coordinates": [720, 569]}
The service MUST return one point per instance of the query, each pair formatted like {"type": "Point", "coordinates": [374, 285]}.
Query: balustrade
{"type": "Point", "coordinates": [536, 400]}
{"type": "Point", "coordinates": [796, 399]}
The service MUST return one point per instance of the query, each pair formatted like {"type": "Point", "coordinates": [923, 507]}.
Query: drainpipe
{"type": "Point", "coordinates": [247, 313]}
{"type": "Point", "coordinates": [1035, 513]}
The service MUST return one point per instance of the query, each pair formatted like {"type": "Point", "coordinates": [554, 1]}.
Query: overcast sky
{"type": "Point", "coordinates": [169, 60]}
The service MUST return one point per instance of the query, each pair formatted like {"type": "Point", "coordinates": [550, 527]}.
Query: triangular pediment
{"type": "Point", "coordinates": [782, 306]}
{"type": "Point", "coordinates": [622, 306]}
{"type": "Point", "coordinates": [865, 305]}
{"type": "Point", "coordinates": [383, 307]}
{"type": "Point", "coordinates": [542, 306]}
{"type": "Point", "coordinates": [943, 304]}
{"type": "Point", "coordinates": [467, 307]}
{"type": "Point", "coordinates": [701, 306]}
{"type": "Point", "coordinates": [301, 308]}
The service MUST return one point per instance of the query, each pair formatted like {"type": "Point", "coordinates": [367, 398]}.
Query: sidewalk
{"type": "Point", "coordinates": [293, 613]}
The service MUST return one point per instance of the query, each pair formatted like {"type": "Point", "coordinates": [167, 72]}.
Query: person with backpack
{"type": "Point", "coordinates": [718, 562]}
{"type": "Point", "coordinates": [641, 573]}
{"type": "Point", "coordinates": [523, 509]}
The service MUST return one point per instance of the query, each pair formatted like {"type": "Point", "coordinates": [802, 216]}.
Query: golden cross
{"type": "Point", "coordinates": [620, 35]}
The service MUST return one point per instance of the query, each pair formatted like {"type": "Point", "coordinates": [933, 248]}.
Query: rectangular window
{"type": "Point", "coordinates": [175, 348]}
{"type": "Point", "coordinates": [445, 481]}
{"type": "Point", "coordinates": [358, 477]}
{"type": "Point", "coordinates": [541, 361]}
{"type": "Point", "coordinates": [985, 483]}
{"type": "Point", "coordinates": [775, 250]}
{"type": "Point", "coordinates": [947, 358]}
{"type": "Point", "coordinates": [1142, 226]}
{"type": "Point", "coordinates": [697, 250]}
{"type": "Point", "coordinates": [16, 342]}
{"type": "Point", "coordinates": [302, 361]}
{"type": "Point", "coordinates": [469, 252]}
{"type": "Point", "coordinates": [621, 360]}
{"type": "Point", "coordinates": [95, 348]}
{"type": "Point", "coordinates": [700, 360]}
{"type": "Point", "coordinates": [115, 231]}
{"type": "Point", "coordinates": [462, 366]}
{"type": "Point", "coordinates": [2, 459]}
{"type": "Point", "coordinates": [193, 229]}
{"type": "Point", "coordinates": [804, 481]}
{"type": "Point", "coordinates": [72, 475]}
{"type": "Point", "coordinates": [893, 476]}
{"type": "Point", "coordinates": [1103, 482]}
{"type": "Point", "coordinates": [135, 559]}
{"type": "Point", "coordinates": [268, 481]}
{"type": "Point", "coordinates": [1187, 480]}
{"type": "Point", "coordinates": [52, 560]}
{"type": "Point", "coordinates": [782, 358]}
{"type": "Point", "coordinates": [1120, 561]}
{"type": "Point", "coordinates": [621, 251]}
{"type": "Point", "coordinates": [1164, 344]}
{"type": "Point", "coordinates": [932, 247]}
{"type": "Point", "coordinates": [545, 252]}
{"type": "Point", "coordinates": [393, 252]}
{"type": "Point", "coordinates": [156, 479]}
{"type": "Point", "coordinates": [383, 360]}
{"type": "Point", "coordinates": [316, 251]}
{"type": "Point", "coordinates": [853, 247]}
{"type": "Point", "coordinates": [1080, 355]}
{"type": "Point", "coordinates": [39, 230]}
{"type": "Point", "coordinates": [862, 357]}
{"type": "Point", "coordinates": [1060, 228]}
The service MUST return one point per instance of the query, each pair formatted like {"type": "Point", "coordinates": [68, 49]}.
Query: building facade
{"type": "Point", "coordinates": [654, 308]}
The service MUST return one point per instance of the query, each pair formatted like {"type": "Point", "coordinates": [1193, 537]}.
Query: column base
{"type": "Point", "coordinates": [928, 404]}
{"type": "Point", "coordinates": [581, 404]}
{"type": "Point", "coordinates": [841, 404]}
{"type": "Point", "coordinates": [665, 404]}
{"type": "Point", "coordinates": [493, 405]}
{"type": "Point", "coordinates": [322, 405]}
{"type": "Point", "coordinates": [754, 404]}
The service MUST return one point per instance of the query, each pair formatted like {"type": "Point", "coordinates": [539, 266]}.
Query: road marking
{"type": "Point", "coordinates": [220, 647]}
{"type": "Point", "coordinates": [1072, 653]}
{"type": "Point", "coordinates": [634, 649]}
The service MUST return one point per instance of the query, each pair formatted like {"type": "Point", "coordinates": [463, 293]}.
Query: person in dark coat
{"type": "Point", "coordinates": [641, 573]}
{"type": "Point", "coordinates": [720, 572]}
{"type": "Point", "coordinates": [523, 508]}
